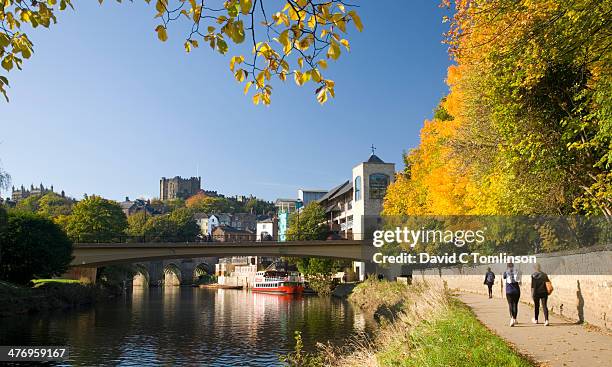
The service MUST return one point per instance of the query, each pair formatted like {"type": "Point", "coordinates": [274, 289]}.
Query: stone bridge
{"type": "Point", "coordinates": [186, 260]}
{"type": "Point", "coordinates": [173, 272]}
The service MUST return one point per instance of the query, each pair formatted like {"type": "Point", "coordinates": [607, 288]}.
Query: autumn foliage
{"type": "Point", "coordinates": [526, 127]}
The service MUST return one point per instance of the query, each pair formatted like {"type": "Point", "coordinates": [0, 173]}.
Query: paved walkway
{"type": "Point", "coordinates": [560, 344]}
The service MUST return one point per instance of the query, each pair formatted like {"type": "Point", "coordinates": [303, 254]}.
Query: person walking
{"type": "Point", "coordinates": [539, 291]}
{"type": "Point", "coordinates": [512, 279]}
{"type": "Point", "coordinates": [489, 281]}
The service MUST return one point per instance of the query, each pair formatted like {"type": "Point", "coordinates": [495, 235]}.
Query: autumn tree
{"type": "Point", "coordinates": [287, 39]}
{"type": "Point", "coordinates": [526, 126]}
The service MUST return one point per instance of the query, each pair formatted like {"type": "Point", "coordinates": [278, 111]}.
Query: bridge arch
{"type": "Point", "coordinates": [202, 270]}
{"type": "Point", "coordinates": [172, 275]}
{"type": "Point", "coordinates": [142, 276]}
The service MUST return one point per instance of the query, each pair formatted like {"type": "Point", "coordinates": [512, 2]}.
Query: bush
{"type": "Point", "coordinates": [32, 247]}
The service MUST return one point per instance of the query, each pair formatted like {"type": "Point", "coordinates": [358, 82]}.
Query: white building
{"type": "Point", "coordinates": [267, 230]}
{"type": "Point", "coordinates": [353, 208]}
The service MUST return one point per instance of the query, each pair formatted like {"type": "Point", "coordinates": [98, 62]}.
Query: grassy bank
{"type": "Point", "coordinates": [428, 327]}
{"type": "Point", "coordinates": [47, 295]}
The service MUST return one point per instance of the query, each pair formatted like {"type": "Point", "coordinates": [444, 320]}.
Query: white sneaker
{"type": "Point", "coordinates": [534, 321]}
{"type": "Point", "coordinates": [511, 322]}
{"type": "Point", "coordinates": [546, 323]}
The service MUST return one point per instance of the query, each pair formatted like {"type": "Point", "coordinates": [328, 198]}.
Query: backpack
{"type": "Point", "coordinates": [490, 278]}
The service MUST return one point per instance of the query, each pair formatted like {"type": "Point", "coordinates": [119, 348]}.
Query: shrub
{"type": "Point", "coordinates": [32, 247]}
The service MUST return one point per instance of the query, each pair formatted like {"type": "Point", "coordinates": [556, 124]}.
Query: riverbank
{"type": "Point", "coordinates": [421, 325]}
{"type": "Point", "coordinates": [16, 299]}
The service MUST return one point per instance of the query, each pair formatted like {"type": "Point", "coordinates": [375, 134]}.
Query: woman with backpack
{"type": "Point", "coordinates": [489, 281]}
{"type": "Point", "coordinates": [541, 287]}
{"type": "Point", "coordinates": [512, 278]}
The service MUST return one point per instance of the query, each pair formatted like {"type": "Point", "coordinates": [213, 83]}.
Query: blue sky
{"type": "Point", "coordinates": [103, 107]}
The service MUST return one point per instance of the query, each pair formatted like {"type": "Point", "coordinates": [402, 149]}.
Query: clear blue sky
{"type": "Point", "coordinates": [104, 108]}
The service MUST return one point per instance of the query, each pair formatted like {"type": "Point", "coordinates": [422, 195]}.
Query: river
{"type": "Point", "coordinates": [189, 326]}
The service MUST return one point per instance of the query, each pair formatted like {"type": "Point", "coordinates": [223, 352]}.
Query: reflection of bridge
{"type": "Point", "coordinates": [100, 254]}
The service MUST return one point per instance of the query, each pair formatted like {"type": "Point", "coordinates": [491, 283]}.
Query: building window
{"type": "Point", "coordinates": [378, 185]}
{"type": "Point", "coordinates": [357, 188]}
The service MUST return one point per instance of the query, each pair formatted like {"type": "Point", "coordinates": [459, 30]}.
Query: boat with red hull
{"type": "Point", "coordinates": [275, 281]}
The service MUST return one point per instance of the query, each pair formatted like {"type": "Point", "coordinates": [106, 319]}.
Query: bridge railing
{"type": "Point", "coordinates": [201, 239]}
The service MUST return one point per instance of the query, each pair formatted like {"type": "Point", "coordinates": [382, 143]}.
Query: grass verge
{"type": "Point", "coordinates": [425, 326]}
{"type": "Point", "coordinates": [15, 299]}
{"type": "Point", "coordinates": [454, 338]}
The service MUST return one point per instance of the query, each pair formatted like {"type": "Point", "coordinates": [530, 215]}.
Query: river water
{"type": "Point", "coordinates": [189, 326]}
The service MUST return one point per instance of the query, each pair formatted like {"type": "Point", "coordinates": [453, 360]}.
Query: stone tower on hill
{"type": "Point", "coordinates": [178, 187]}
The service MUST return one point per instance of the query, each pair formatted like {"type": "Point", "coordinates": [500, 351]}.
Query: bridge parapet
{"type": "Point", "coordinates": [100, 254]}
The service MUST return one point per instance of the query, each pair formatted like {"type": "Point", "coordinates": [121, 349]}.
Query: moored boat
{"type": "Point", "coordinates": [276, 281]}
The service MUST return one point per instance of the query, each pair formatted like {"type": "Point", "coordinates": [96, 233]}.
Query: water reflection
{"type": "Point", "coordinates": [189, 326]}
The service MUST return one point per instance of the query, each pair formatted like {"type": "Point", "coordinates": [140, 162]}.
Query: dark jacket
{"type": "Point", "coordinates": [489, 277]}
{"type": "Point", "coordinates": [538, 284]}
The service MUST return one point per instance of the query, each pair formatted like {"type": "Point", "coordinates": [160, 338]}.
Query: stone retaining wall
{"type": "Point", "coordinates": [582, 298]}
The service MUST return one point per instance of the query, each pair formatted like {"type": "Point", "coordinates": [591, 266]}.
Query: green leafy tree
{"type": "Point", "coordinates": [176, 226]}
{"type": "Point", "coordinates": [3, 226]}
{"type": "Point", "coordinates": [33, 247]}
{"type": "Point", "coordinates": [137, 223]}
{"type": "Point", "coordinates": [53, 205]}
{"type": "Point", "coordinates": [288, 38]}
{"type": "Point", "coordinates": [160, 228]}
{"type": "Point", "coordinates": [96, 219]}
{"type": "Point", "coordinates": [186, 227]}
{"type": "Point", "coordinates": [257, 206]}
{"type": "Point", "coordinates": [308, 223]}
{"type": "Point", "coordinates": [29, 204]}
{"type": "Point", "coordinates": [212, 205]}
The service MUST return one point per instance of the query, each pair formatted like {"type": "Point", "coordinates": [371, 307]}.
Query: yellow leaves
{"type": "Point", "coordinates": [356, 20]}
{"type": "Point", "coordinates": [247, 86]}
{"type": "Point", "coordinates": [190, 43]}
{"type": "Point", "coordinates": [325, 91]}
{"type": "Point", "coordinates": [333, 51]}
{"type": "Point", "coordinates": [302, 27]}
{"type": "Point", "coordinates": [236, 60]}
{"type": "Point", "coordinates": [260, 79]}
{"type": "Point", "coordinates": [316, 76]}
{"type": "Point", "coordinates": [7, 62]}
{"type": "Point", "coordinates": [235, 30]}
{"type": "Point", "coordinates": [283, 39]}
{"type": "Point", "coordinates": [263, 96]}
{"type": "Point", "coordinates": [312, 22]}
{"type": "Point", "coordinates": [245, 6]}
{"type": "Point", "coordinates": [346, 44]}
{"type": "Point", "coordinates": [161, 6]}
{"type": "Point", "coordinates": [240, 75]}
{"type": "Point", "coordinates": [161, 33]}
{"type": "Point", "coordinates": [256, 98]}
{"type": "Point", "coordinates": [281, 18]}
{"type": "Point", "coordinates": [4, 83]}
{"type": "Point", "coordinates": [197, 14]}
